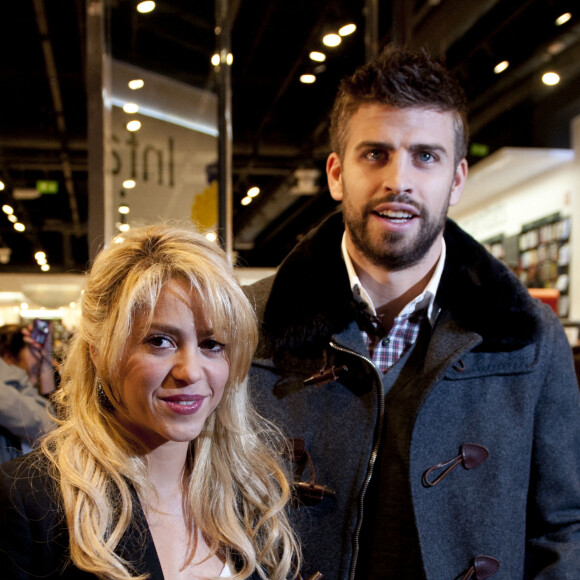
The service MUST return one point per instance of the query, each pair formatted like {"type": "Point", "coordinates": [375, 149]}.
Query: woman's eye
{"type": "Point", "coordinates": [212, 345]}
{"type": "Point", "coordinates": [160, 341]}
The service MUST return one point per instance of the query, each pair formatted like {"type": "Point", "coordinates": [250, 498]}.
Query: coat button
{"type": "Point", "coordinates": [471, 455]}
{"type": "Point", "coordinates": [483, 567]}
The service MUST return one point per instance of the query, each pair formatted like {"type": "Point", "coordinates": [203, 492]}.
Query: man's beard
{"type": "Point", "coordinates": [395, 250]}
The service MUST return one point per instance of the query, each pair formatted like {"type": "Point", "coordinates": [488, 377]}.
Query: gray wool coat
{"type": "Point", "coordinates": [491, 394]}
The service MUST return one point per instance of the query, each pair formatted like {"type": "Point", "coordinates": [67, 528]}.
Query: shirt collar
{"type": "Point", "coordinates": [425, 300]}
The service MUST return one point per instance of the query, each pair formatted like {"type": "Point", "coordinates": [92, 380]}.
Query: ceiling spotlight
{"type": "Point", "coordinates": [124, 227]}
{"type": "Point", "coordinates": [124, 209]}
{"type": "Point", "coordinates": [12, 218]}
{"type": "Point", "coordinates": [317, 56]}
{"type": "Point", "coordinates": [7, 209]}
{"type": "Point", "coordinates": [246, 201]}
{"type": "Point", "coordinates": [2, 186]}
{"type": "Point", "coordinates": [346, 29]}
{"type": "Point", "coordinates": [136, 84]}
{"type": "Point", "coordinates": [500, 67]}
{"type": "Point", "coordinates": [129, 183]}
{"type": "Point", "coordinates": [39, 256]}
{"type": "Point", "coordinates": [253, 191]}
{"type": "Point", "coordinates": [211, 236]}
{"type": "Point", "coordinates": [307, 79]}
{"type": "Point", "coordinates": [215, 59]}
{"type": "Point", "coordinates": [146, 6]}
{"type": "Point", "coordinates": [130, 108]}
{"type": "Point", "coordinates": [331, 40]}
{"type": "Point", "coordinates": [229, 58]}
{"type": "Point", "coordinates": [551, 78]}
{"type": "Point", "coordinates": [19, 227]}
{"type": "Point", "coordinates": [45, 267]}
{"type": "Point", "coordinates": [563, 18]}
{"type": "Point", "coordinates": [133, 125]}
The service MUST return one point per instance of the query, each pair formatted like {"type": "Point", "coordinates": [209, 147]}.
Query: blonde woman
{"type": "Point", "coordinates": [158, 468]}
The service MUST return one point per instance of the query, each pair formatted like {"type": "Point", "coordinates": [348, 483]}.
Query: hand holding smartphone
{"type": "Point", "coordinates": [40, 330]}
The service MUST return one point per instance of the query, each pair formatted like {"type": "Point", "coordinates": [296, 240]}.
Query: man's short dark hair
{"type": "Point", "coordinates": [400, 78]}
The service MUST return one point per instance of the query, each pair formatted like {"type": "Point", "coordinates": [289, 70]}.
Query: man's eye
{"type": "Point", "coordinates": [425, 157]}
{"type": "Point", "coordinates": [212, 345]}
{"type": "Point", "coordinates": [375, 155]}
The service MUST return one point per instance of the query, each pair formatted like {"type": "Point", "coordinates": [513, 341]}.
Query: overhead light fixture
{"type": "Point", "coordinates": [317, 56]}
{"type": "Point", "coordinates": [346, 29]}
{"type": "Point", "coordinates": [129, 183]}
{"type": "Point", "coordinates": [45, 267]}
{"type": "Point", "coordinates": [19, 227]}
{"type": "Point", "coordinates": [501, 66]}
{"type": "Point", "coordinates": [124, 209]}
{"type": "Point", "coordinates": [2, 186]}
{"type": "Point", "coordinates": [124, 227]}
{"type": "Point", "coordinates": [215, 59]}
{"type": "Point", "coordinates": [307, 79]}
{"type": "Point", "coordinates": [253, 191]}
{"type": "Point", "coordinates": [563, 18]}
{"type": "Point", "coordinates": [246, 201]}
{"type": "Point", "coordinates": [211, 236]}
{"type": "Point", "coordinates": [12, 218]}
{"type": "Point", "coordinates": [331, 40]}
{"type": "Point", "coordinates": [133, 125]}
{"type": "Point", "coordinates": [136, 84]}
{"type": "Point", "coordinates": [39, 256]}
{"type": "Point", "coordinates": [146, 6]}
{"type": "Point", "coordinates": [550, 78]}
{"type": "Point", "coordinates": [131, 108]}
{"type": "Point", "coordinates": [7, 209]}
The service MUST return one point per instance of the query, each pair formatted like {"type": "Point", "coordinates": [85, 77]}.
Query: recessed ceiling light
{"type": "Point", "coordinates": [317, 56]}
{"type": "Point", "coordinates": [501, 66]}
{"type": "Point", "coordinates": [307, 79]}
{"type": "Point", "coordinates": [563, 18]}
{"type": "Point", "coordinates": [130, 107]}
{"type": "Point", "coordinates": [129, 183]}
{"type": "Point", "coordinates": [331, 40]}
{"type": "Point", "coordinates": [551, 78]}
{"type": "Point", "coordinates": [253, 191]}
{"type": "Point", "coordinates": [133, 125]}
{"type": "Point", "coordinates": [247, 200]}
{"type": "Point", "coordinates": [346, 29]}
{"type": "Point", "coordinates": [136, 84]}
{"type": "Point", "coordinates": [146, 6]}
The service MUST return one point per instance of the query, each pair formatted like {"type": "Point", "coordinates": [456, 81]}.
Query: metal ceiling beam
{"type": "Point", "coordinates": [53, 81]}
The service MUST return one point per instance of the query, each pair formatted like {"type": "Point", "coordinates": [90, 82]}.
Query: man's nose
{"type": "Point", "coordinates": [397, 175]}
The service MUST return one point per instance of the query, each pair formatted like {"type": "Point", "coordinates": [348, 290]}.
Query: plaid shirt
{"type": "Point", "coordinates": [385, 349]}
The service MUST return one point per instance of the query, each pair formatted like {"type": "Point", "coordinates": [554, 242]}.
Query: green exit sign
{"type": "Point", "coordinates": [47, 186]}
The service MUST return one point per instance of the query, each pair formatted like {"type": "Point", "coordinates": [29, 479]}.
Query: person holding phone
{"type": "Point", "coordinates": [27, 379]}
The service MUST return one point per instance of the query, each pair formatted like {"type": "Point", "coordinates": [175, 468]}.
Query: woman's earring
{"type": "Point", "coordinates": [104, 401]}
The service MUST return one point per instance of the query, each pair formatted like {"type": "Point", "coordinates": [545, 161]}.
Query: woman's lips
{"type": "Point", "coordinates": [184, 404]}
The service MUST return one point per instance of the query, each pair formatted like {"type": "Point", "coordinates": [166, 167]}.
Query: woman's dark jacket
{"type": "Point", "coordinates": [34, 539]}
{"type": "Point", "coordinates": [495, 371]}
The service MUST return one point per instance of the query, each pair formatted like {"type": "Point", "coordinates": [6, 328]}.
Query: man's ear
{"type": "Point", "coordinates": [334, 176]}
{"type": "Point", "coordinates": [458, 182]}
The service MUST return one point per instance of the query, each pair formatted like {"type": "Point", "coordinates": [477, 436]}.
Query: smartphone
{"type": "Point", "coordinates": [40, 330]}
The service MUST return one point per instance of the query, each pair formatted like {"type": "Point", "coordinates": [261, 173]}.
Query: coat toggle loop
{"type": "Point", "coordinates": [483, 567]}
{"type": "Point", "coordinates": [471, 455]}
{"type": "Point", "coordinates": [326, 374]}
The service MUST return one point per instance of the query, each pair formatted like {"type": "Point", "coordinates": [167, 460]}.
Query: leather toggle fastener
{"type": "Point", "coordinates": [483, 567]}
{"type": "Point", "coordinates": [471, 455]}
{"type": "Point", "coordinates": [326, 374]}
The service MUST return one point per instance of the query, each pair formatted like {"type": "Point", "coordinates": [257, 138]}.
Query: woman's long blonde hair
{"type": "Point", "coordinates": [234, 486]}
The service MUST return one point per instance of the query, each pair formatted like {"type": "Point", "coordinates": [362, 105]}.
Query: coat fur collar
{"type": "Point", "coordinates": [310, 298]}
